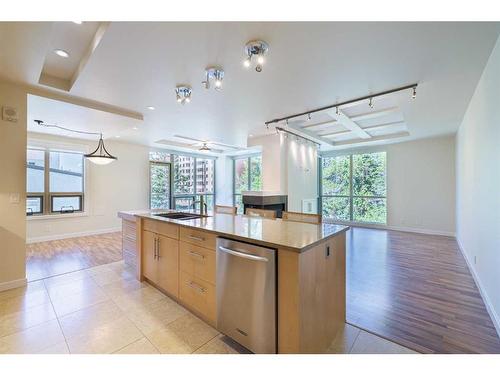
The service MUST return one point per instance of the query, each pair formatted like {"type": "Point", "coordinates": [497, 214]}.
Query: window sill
{"type": "Point", "coordinates": [56, 216]}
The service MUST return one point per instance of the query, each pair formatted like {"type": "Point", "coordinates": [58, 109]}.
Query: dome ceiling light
{"type": "Point", "coordinates": [100, 156]}
{"type": "Point", "coordinates": [256, 50]}
{"type": "Point", "coordinates": [215, 75]}
{"type": "Point", "coordinates": [183, 94]}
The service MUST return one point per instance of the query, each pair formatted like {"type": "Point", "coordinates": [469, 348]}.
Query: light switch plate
{"type": "Point", "coordinates": [9, 114]}
{"type": "Point", "coordinates": [14, 198]}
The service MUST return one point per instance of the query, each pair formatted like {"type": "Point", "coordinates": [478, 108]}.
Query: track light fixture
{"type": "Point", "coordinates": [414, 95]}
{"type": "Point", "coordinates": [215, 75]}
{"type": "Point", "coordinates": [337, 111]}
{"type": "Point", "coordinates": [370, 102]}
{"type": "Point", "coordinates": [255, 49]}
{"type": "Point", "coordinates": [183, 94]}
{"type": "Point", "coordinates": [308, 117]}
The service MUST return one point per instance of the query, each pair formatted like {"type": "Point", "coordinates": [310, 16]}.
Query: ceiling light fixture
{"type": "Point", "coordinates": [205, 148]}
{"type": "Point", "coordinates": [259, 49]}
{"type": "Point", "coordinates": [370, 102]}
{"type": "Point", "coordinates": [308, 117]}
{"type": "Point", "coordinates": [61, 53]}
{"type": "Point", "coordinates": [215, 75]}
{"type": "Point", "coordinates": [78, 22]}
{"type": "Point", "coordinates": [100, 155]}
{"type": "Point", "coordinates": [337, 110]}
{"type": "Point", "coordinates": [414, 95]}
{"type": "Point", "coordinates": [183, 94]}
{"type": "Point", "coordinates": [151, 108]}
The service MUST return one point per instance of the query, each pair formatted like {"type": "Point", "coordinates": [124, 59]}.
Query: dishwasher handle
{"type": "Point", "coordinates": [242, 255]}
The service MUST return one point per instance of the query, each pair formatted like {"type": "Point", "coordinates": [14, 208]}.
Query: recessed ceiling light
{"type": "Point", "coordinates": [78, 22]}
{"type": "Point", "coordinates": [61, 52]}
{"type": "Point", "coordinates": [250, 135]}
{"type": "Point", "coordinates": [151, 108]}
{"type": "Point", "coordinates": [117, 136]}
{"type": "Point", "coordinates": [135, 128]}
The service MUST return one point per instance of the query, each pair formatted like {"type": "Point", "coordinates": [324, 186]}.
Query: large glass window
{"type": "Point", "coordinates": [55, 181]}
{"type": "Point", "coordinates": [353, 188]}
{"type": "Point", "coordinates": [247, 177]}
{"type": "Point", "coordinates": [192, 177]}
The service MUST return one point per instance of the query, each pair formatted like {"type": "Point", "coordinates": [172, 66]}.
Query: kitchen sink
{"type": "Point", "coordinates": [179, 216]}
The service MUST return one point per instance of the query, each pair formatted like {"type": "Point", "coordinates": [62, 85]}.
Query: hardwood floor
{"type": "Point", "coordinates": [50, 258]}
{"type": "Point", "coordinates": [412, 289]}
{"type": "Point", "coordinates": [416, 290]}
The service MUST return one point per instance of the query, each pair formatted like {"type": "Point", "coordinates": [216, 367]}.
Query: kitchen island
{"type": "Point", "coordinates": [310, 273]}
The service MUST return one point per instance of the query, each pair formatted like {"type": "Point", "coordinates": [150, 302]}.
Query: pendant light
{"type": "Point", "coordinates": [100, 156]}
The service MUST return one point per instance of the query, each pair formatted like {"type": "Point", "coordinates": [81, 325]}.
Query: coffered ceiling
{"type": "Point", "coordinates": [309, 65]}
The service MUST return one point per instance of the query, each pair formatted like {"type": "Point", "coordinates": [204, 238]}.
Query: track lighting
{"type": "Point", "coordinates": [308, 117]}
{"type": "Point", "coordinates": [215, 75]}
{"type": "Point", "coordinates": [256, 48]}
{"type": "Point", "coordinates": [183, 94]}
{"type": "Point", "coordinates": [337, 111]}
{"type": "Point", "coordinates": [414, 95]}
{"type": "Point", "coordinates": [370, 103]}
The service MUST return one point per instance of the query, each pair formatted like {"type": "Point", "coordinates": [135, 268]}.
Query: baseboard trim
{"type": "Point", "coordinates": [13, 284]}
{"type": "Point", "coordinates": [487, 302]}
{"type": "Point", "coordinates": [72, 235]}
{"type": "Point", "coordinates": [396, 228]}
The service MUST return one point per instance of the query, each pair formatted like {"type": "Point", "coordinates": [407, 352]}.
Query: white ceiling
{"type": "Point", "coordinates": [309, 65]}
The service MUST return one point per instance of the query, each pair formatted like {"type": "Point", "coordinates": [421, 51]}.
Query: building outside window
{"type": "Point", "coordinates": [353, 188]}
{"type": "Point", "coordinates": [55, 182]}
{"type": "Point", "coordinates": [247, 177]}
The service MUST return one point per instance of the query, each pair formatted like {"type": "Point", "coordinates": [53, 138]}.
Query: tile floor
{"type": "Point", "coordinates": [104, 309]}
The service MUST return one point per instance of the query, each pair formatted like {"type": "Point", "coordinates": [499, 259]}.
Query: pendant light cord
{"type": "Point", "coordinates": [41, 123]}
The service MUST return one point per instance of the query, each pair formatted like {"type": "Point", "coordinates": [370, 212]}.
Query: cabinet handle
{"type": "Point", "coordinates": [196, 238]}
{"type": "Point", "coordinates": [195, 254]}
{"type": "Point", "coordinates": [156, 239]}
{"type": "Point", "coordinates": [196, 287]}
{"type": "Point", "coordinates": [158, 247]}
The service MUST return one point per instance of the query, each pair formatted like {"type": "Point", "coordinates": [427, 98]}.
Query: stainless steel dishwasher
{"type": "Point", "coordinates": [246, 294]}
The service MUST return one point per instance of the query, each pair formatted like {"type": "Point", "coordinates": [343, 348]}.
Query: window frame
{"type": "Point", "coordinates": [173, 195]}
{"type": "Point", "coordinates": [351, 196]}
{"type": "Point", "coordinates": [249, 175]}
{"type": "Point", "coordinates": [46, 196]}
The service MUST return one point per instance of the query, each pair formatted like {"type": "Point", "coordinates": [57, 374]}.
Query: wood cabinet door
{"type": "Point", "coordinates": [168, 265]}
{"type": "Point", "coordinates": [149, 263]}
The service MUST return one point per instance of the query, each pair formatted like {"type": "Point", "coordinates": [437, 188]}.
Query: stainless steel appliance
{"type": "Point", "coordinates": [246, 294]}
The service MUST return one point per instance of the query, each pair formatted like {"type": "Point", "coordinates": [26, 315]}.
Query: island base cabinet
{"type": "Point", "coordinates": [311, 297]}
{"type": "Point", "coordinates": [160, 261]}
{"type": "Point", "coordinates": [198, 295]}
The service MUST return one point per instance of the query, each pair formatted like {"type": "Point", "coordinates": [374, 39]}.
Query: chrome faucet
{"type": "Point", "coordinates": [203, 205]}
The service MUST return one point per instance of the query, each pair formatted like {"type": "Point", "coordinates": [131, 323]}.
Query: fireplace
{"type": "Point", "coordinates": [265, 201]}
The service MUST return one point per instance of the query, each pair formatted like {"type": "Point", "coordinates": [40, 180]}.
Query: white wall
{"type": "Point", "coordinates": [121, 185]}
{"type": "Point", "coordinates": [302, 174]}
{"type": "Point", "coordinates": [420, 184]}
{"type": "Point", "coordinates": [478, 185]}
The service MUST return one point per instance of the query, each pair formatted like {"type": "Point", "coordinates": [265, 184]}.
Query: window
{"type": "Point", "coordinates": [192, 177]}
{"type": "Point", "coordinates": [247, 177]}
{"type": "Point", "coordinates": [55, 182]}
{"type": "Point", "coordinates": [353, 188]}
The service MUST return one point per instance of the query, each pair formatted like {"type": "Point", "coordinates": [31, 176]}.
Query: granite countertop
{"type": "Point", "coordinates": [291, 235]}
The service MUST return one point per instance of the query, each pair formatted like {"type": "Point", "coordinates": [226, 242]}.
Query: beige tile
{"type": "Point", "coordinates": [81, 321]}
{"type": "Point", "coordinates": [106, 338]}
{"type": "Point", "coordinates": [188, 330]}
{"type": "Point", "coordinates": [63, 290]}
{"type": "Point", "coordinates": [142, 346]}
{"type": "Point", "coordinates": [98, 269]}
{"type": "Point", "coordinates": [61, 348]}
{"type": "Point", "coordinates": [168, 342]}
{"type": "Point", "coordinates": [124, 270]}
{"type": "Point", "coordinates": [344, 340]}
{"type": "Point", "coordinates": [33, 340]}
{"type": "Point", "coordinates": [66, 278]}
{"type": "Point", "coordinates": [138, 298]}
{"type": "Point", "coordinates": [24, 301]}
{"type": "Point", "coordinates": [222, 345]}
{"type": "Point", "coordinates": [156, 315]}
{"type": "Point", "coordinates": [366, 343]}
{"type": "Point", "coordinates": [106, 277]}
{"type": "Point", "coordinates": [75, 302]}
{"type": "Point", "coordinates": [34, 286]}
{"type": "Point", "coordinates": [26, 318]}
{"type": "Point", "coordinates": [123, 287]}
